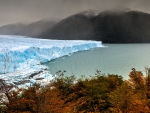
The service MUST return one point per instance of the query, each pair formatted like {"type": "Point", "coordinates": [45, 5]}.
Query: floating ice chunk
{"type": "Point", "coordinates": [33, 81]}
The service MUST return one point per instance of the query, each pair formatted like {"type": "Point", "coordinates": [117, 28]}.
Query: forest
{"type": "Point", "coordinates": [100, 93]}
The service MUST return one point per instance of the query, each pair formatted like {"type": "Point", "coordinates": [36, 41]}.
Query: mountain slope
{"type": "Point", "coordinates": [78, 26]}
{"type": "Point", "coordinates": [118, 25]}
{"type": "Point", "coordinates": [36, 28]}
{"type": "Point", "coordinates": [125, 27]}
{"type": "Point", "coordinates": [11, 29]}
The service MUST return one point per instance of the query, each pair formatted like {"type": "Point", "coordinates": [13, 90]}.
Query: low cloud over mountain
{"type": "Point", "coordinates": [118, 25]}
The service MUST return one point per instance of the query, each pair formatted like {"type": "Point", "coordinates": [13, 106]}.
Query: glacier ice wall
{"type": "Point", "coordinates": [19, 52]}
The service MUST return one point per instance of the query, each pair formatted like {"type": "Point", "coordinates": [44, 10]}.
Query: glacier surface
{"type": "Point", "coordinates": [21, 57]}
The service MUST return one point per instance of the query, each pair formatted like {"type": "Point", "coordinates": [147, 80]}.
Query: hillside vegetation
{"type": "Point", "coordinates": [99, 94]}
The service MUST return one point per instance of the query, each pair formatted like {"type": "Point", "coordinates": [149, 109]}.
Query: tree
{"type": "Point", "coordinates": [32, 99]}
{"type": "Point", "coordinates": [125, 100]}
{"type": "Point", "coordinates": [9, 95]}
{"type": "Point", "coordinates": [137, 79]}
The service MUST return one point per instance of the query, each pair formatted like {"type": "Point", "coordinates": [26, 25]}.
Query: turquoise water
{"type": "Point", "coordinates": [115, 59]}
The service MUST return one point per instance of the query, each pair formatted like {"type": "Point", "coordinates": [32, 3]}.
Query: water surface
{"type": "Point", "coordinates": [115, 59]}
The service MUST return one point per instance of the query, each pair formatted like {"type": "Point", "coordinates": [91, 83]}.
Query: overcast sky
{"type": "Point", "coordinates": [14, 11]}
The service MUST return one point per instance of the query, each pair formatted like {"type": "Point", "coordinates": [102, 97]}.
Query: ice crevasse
{"type": "Point", "coordinates": [21, 53]}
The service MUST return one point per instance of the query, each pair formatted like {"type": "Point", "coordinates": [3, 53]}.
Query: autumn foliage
{"type": "Point", "coordinates": [98, 94]}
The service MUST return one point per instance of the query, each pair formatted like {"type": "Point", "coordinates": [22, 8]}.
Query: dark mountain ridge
{"type": "Point", "coordinates": [76, 27]}
{"type": "Point", "coordinates": [118, 25]}
{"type": "Point", "coordinates": [126, 27]}
{"type": "Point", "coordinates": [37, 28]}
{"type": "Point", "coordinates": [110, 26]}
{"type": "Point", "coordinates": [32, 30]}
{"type": "Point", "coordinates": [11, 29]}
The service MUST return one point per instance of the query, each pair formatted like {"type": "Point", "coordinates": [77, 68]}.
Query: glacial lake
{"type": "Point", "coordinates": [114, 59]}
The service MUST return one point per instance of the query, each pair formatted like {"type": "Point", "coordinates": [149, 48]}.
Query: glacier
{"type": "Point", "coordinates": [21, 57]}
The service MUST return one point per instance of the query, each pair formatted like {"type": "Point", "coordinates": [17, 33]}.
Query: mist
{"type": "Point", "coordinates": [27, 11]}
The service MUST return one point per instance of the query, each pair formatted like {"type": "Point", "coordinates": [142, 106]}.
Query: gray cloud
{"type": "Point", "coordinates": [13, 11]}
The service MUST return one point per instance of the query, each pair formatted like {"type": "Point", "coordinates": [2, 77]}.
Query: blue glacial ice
{"type": "Point", "coordinates": [22, 56]}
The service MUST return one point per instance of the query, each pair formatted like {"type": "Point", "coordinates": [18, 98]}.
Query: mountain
{"type": "Point", "coordinates": [32, 30]}
{"type": "Point", "coordinates": [122, 26]}
{"type": "Point", "coordinates": [118, 25]}
{"type": "Point", "coordinates": [11, 29]}
{"type": "Point", "coordinates": [36, 28]}
{"type": "Point", "coordinates": [78, 26]}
